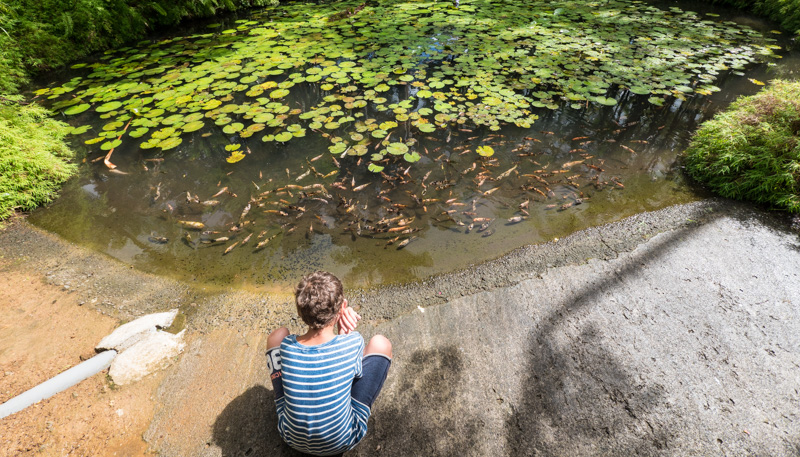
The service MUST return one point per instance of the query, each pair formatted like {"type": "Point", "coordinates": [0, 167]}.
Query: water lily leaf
{"type": "Point", "coordinates": [139, 132]}
{"type": "Point", "coordinates": [77, 109]}
{"type": "Point", "coordinates": [374, 168]}
{"type": "Point", "coordinates": [396, 148]}
{"type": "Point", "coordinates": [233, 128]}
{"type": "Point", "coordinates": [485, 151]}
{"type": "Point", "coordinates": [80, 130]}
{"type": "Point", "coordinates": [108, 145]}
{"type": "Point", "coordinates": [113, 125]}
{"type": "Point", "coordinates": [337, 148]}
{"type": "Point", "coordinates": [235, 156]}
{"type": "Point", "coordinates": [166, 132]}
{"type": "Point", "coordinates": [279, 93]}
{"type": "Point", "coordinates": [283, 137]}
{"type": "Point", "coordinates": [607, 101]}
{"type": "Point", "coordinates": [412, 157]}
{"type": "Point", "coordinates": [170, 143]}
{"type": "Point", "coordinates": [169, 120]}
{"type": "Point", "coordinates": [193, 126]}
{"type": "Point", "coordinates": [640, 90]}
{"type": "Point", "coordinates": [426, 128]}
{"type": "Point", "coordinates": [109, 106]}
{"type": "Point", "coordinates": [378, 133]}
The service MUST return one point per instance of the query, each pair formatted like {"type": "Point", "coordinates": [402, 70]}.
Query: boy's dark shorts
{"type": "Point", "coordinates": [374, 369]}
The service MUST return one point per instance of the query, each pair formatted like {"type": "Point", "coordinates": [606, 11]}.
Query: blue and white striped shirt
{"type": "Point", "coordinates": [316, 414]}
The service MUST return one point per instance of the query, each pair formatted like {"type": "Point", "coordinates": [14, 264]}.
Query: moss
{"type": "Point", "coordinates": [34, 160]}
{"type": "Point", "coordinates": [751, 151]}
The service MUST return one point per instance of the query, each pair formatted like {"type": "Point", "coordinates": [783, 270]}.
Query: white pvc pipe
{"type": "Point", "coordinates": [58, 383]}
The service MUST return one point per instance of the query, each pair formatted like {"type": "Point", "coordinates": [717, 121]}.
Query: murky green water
{"type": "Point", "coordinates": [575, 167]}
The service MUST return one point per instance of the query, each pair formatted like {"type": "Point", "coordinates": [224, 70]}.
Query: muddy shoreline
{"type": "Point", "coordinates": [123, 293]}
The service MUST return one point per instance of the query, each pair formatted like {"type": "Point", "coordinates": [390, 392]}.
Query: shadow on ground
{"type": "Point", "coordinates": [578, 396]}
{"type": "Point", "coordinates": [423, 417]}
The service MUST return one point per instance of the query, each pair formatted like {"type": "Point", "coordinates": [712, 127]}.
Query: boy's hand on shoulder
{"type": "Point", "coordinates": [348, 320]}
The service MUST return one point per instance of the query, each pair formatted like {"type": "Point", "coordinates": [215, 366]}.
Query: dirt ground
{"type": "Point", "coordinates": [41, 334]}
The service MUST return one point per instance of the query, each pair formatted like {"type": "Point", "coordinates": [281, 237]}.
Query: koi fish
{"type": "Point", "coordinates": [230, 248]}
{"type": "Point", "coordinates": [193, 225]}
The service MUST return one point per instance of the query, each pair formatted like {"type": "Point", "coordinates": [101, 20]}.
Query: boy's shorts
{"type": "Point", "coordinates": [374, 369]}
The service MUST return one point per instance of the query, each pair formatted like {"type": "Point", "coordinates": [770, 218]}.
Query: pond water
{"type": "Point", "coordinates": [387, 144]}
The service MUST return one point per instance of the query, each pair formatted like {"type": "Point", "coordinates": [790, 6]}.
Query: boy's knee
{"type": "Point", "coordinates": [275, 338]}
{"type": "Point", "coordinates": [379, 344]}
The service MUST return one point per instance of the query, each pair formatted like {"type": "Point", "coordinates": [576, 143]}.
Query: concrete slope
{"type": "Point", "coordinates": [687, 344]}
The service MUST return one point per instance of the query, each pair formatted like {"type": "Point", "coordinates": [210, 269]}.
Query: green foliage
{"type": "Point", "coordinates": [33, 156]}
{"type": "Point", "coordinates": [40, 34]}
{"type": "Point", "coordinates": [752, 150]}
{"type": "Point", "coordinates": [784, 12]}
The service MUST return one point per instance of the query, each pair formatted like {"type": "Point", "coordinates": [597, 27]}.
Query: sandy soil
{"type": "Point", "coordinates": [43, 332]}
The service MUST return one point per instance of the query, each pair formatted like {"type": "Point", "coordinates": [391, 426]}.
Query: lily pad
{"type": "Point", "coordinates": [170, 143]}
{"type": "Point", "coordinates": [193, 126]}
{"type": "Point", "coordinates": [77, 109]}
{"type": "Point", "coordinates": [109, 106]}
{"type": "Point", "coordinates": [283, 137]}
{"type": "Point", "coordinates": [397, 148]}
{"type": "Point", "coordinates": [485, 151]}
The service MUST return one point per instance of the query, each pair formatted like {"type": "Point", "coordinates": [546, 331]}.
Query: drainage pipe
{"type": "Point", "coordinates": [58, 383]}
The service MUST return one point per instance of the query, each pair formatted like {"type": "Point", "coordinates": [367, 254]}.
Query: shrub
{"type": "Point", "coordinates": [34, 160]}
{"type": "Point", "coordinates": [784, 12]}
{"type": "Point", "coordinates": [751, 151]}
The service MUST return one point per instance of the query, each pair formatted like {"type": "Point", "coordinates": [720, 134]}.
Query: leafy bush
{"type": "Point", "coordinates": [33, 156]}
{"type": "Point", "coordinates": [784, 12]}
{"type": "Point", "coordinates": [41, 34]}
{"type": "Point", "coordinates": [752, 150]}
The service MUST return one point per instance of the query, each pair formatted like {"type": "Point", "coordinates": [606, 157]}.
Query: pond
{"type": "Point", "coordinates": [387, 142]}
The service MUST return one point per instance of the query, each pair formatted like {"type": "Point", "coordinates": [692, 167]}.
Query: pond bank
{"type": "Point", "coordinates": [668, 333]}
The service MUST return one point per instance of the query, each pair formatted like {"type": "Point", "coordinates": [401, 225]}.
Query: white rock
{"type": "Point", "coordinates": [153, 352]}
{"type": "Point", "coordinates": [129, 334]}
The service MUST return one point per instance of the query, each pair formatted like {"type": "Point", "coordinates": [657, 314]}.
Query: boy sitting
{"type": "Point", "coordinates": [324, 388]}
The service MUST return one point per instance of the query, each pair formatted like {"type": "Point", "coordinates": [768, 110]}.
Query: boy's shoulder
{"type": "Point", "coordinates": [351, 339]}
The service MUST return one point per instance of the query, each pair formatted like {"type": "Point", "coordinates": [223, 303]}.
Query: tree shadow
{"type": "Point", "coordinates": [421, 416]}
{"type": "Point", "coordinates": [579, 397]}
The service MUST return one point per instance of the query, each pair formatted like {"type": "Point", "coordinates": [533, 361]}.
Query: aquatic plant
{"type": "Point", "coordinates": [388, 74]}
{"type": "Point", "coordinates": [34, 160]}
{"type": "Point", "coordinates": [751, 151]}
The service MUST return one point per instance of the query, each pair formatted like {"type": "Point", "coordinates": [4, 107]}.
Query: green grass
{"type": "Point", "coordinates": [751, 151]}
{"type": "Point", "coordinates": [34, 160]}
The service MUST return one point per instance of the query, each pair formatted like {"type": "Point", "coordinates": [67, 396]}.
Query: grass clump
{"type": "Point", "coordinates": [751, 151]}
{"type": "Point", "coordinates": [34, 160]}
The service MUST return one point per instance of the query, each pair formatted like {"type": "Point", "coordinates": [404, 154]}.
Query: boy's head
{"type": "Point", "coordinates": [319, 298]}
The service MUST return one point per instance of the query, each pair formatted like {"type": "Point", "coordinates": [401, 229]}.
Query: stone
{"type": "Point", "coordinates": [151, 353]}
{"type": "Point", "coordinates": [129, 334]}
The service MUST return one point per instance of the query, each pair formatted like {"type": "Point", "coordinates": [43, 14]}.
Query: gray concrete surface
{"type": "Point", "coordinates": [671, 333]}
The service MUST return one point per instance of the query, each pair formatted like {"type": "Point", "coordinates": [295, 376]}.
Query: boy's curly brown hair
{"type": "Point", "coordinates": [319, 298]}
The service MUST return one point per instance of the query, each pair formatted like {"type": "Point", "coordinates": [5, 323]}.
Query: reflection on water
{"type": "Point", "coordinates": [575, 168]}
